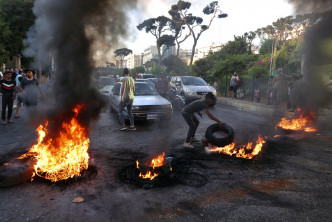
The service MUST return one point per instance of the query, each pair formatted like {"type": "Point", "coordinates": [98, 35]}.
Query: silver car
{"type": "Point", "coordinates": [191, 88]}
{"type": "Point", "coordinates": [148, 104]}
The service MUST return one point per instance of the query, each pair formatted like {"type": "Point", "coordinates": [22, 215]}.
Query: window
{"type": "Point", "coordinates": [116, 89]}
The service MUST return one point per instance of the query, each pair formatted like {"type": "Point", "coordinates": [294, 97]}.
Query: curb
{"type": "Point", "coordinates": [256, 108]}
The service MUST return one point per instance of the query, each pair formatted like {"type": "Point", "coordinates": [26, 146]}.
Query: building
{"type": "Point", "coordinates": [133, 61]}
{"type": "Point", "coordinates": [185, 55]}
{"type": "Point", "coordinates": [204, 51]}
{"type": "Point", "coordinates": [168, 52]}
{"type": "Point", "coordinates": [150, 53]}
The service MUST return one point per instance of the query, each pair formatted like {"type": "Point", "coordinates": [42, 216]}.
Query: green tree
{"type": "Point", "coordinates": [122, 53]}
{"type": "Point", "coordinates": [17, 16]}
{"type": "Point", "coordinates": [180, 14]}
{"type": "Point", "coordinates": [258, 70]}
{"type": "Point", "coordinates": [250, 37]}
{"type": "Point", "coordinates": [139, 69]}
{"type": "Point", "coordinates": [160, 28]}
{"type": "Point", "coordinates": [174, 65]}
{"type": "Point", "coordinates": [238, 46]}
{"type": "Point", "coordinates": [266, 47]}
{"type": "Point", "coordinates": [288, 58]}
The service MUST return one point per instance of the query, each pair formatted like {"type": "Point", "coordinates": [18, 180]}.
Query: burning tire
{"type": "Point", "coordinates": [219, 141]}
{"type": "Point", "coordinates": [16, 173]}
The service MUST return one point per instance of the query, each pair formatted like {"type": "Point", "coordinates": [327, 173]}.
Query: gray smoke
{"type": "Point", "coordinates": [314, 91]}
{"type": "Point", "coordinates": [77, 33]}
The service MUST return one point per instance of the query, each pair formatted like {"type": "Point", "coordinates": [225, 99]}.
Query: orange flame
{"type": "Point", "coordinates": [159, 161]}
{"type": "Point", "coordinates": [62, 157]}
{"type": "Point", "coordinates": [245, 152]}
{"type": "Point", "coordinates": [149, 175]}
{"type": "Point", "coordinates": [301, 123]}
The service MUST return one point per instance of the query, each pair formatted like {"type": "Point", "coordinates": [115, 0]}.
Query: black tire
{"type": "Point", "coordinates": [219, 142]}
{"type": "Point", "coordinates": [15, 174]}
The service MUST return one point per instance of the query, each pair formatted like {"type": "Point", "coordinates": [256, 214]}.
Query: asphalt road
{"type": "Point", "coordinates": [290, 181]}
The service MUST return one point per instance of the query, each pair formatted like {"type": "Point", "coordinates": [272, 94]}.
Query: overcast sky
{"type": "Point", "coordinates": [243, 16]}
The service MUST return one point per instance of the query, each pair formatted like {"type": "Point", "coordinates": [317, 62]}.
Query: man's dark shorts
{"type": "Point", "coordinates": [235, 88]}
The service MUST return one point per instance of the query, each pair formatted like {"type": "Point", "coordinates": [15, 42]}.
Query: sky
{"type": "Point", "coordinates": [243, 16]}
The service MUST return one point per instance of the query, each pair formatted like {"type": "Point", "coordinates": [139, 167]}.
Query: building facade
{"type": "Point", "coordinates": [150, 53]}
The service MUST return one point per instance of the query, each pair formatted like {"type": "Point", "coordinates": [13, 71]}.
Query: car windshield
{"type": "Point", "coordinates": [144, 89]}
{"type": "Point", "coordinates": [193, 81]}
{"type": "Point", "coordinates": [147, 76]}
{"type": "Point", "coordinates": [106, 82]}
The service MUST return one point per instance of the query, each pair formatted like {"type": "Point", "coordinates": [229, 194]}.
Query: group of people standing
{"type": "Point", "coordinates": [21, 86]}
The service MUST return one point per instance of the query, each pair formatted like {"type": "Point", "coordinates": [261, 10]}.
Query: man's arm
{"type": "Point", "coordinates": [207, 111]}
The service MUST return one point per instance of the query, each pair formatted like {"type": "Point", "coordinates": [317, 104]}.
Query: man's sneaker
{"type": "Point", "coordinates": [187, 145]}
{"type": "Point", "coordinates": [194, 140]}
{"type": "Point", "coordinates": [3, 122]}
{"type": "Point", "coordinates": [10, 121]}
{"type": "Point", "coordinates": [123, 128]}
{"type": "Point", "coordinates": [132, 128]}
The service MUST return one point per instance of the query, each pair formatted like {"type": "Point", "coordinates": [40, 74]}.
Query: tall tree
{"type": "Point", "coordinates": [250, 38]}
{"type": "Point", "coordinates": [122, 53]}
{"type": "Point", "coordinates": [178, 26]}
{"type": "Point", "coordinates": [17, 15]}
{"type": "Point", "coordinates": [160, 28]}
{"type": "Point", "coordinates": [179, 13]}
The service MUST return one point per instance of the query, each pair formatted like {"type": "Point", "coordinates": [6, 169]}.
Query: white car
{"type": "Point", "coordinates": [106, 85]}
{"type": "Point", "coordinates": [191, 88]}
{"type": "Point", "coordinates": [148, 104]}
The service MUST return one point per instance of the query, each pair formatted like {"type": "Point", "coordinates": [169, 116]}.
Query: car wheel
{"type": "Point", "coordinates": [219, 141]}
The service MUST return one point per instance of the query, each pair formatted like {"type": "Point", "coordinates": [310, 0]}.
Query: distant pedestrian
{"type": "Point", "coordinates": [127, 100]}
{"type": "Point", "coordinates": [19, 103]}
{"type": "Point", "coordinates": [234, 84]}
{"type": "Point", "coordinates": [30, 90]}
{"type": "Point", "coordinates": [257, 89]}
{"type": "Point", "coordinates": [162, 86]}
{"type": "Point", "coordinates": [8, 90]}
{"type": "Point", "coordinates": [13, 74]}
{"type": "Point", "coordinates": [188, 114]}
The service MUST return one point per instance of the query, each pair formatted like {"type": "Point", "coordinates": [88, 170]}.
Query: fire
{"type": "Point", "coordinates": [149, 175]}
{"type": "Point", "coordinates": [301, 123]}
{"type": "Point", "coordinates": [159, 161]}
{"type": "Point", "coordinates": [246, 152]}
{"type": "Point", "coordinates": [64, 156]}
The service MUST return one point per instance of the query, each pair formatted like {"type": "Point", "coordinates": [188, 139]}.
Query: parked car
{"type": "Point", "coordinates": [106, 85]}
{"type": "Point", "coordinates": [191, 88]}
{"type": "Point", "coordinates": [146, 81]}
{"type": "Point", "coordinates": [154, 80]}
{"type": "Point", "coordinates": [146, 76]}
{"type": "Point", "coordinates": [148, 104]}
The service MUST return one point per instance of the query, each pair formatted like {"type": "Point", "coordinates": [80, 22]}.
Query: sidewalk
{"type": "Point", "coordinates": [258, 108]}
{"type": "Point", "coordinates": [269, 110]}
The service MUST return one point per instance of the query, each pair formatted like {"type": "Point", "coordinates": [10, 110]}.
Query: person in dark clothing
{"type": "Point", "coordinates": [30, 90]}
{"type": "Point", "coordinates": [162, 86]}
{"type": "Point", "coordinates": [188, 114]}
{"type": "Point", "coordinates": [8, 90]}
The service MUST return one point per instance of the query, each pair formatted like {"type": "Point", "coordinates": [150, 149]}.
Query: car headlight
{"type": "Point", "coordinates": [191, 93]}
{"type": "Point", "coordinates": [136, 108]}
{"type": "Point", "coordinates": [215, 92]}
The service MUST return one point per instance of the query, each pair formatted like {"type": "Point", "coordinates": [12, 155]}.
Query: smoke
{"type": "Point", "coordinates": [78, 34]}
{"type": "Point", "coordinates": [314, 92]}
